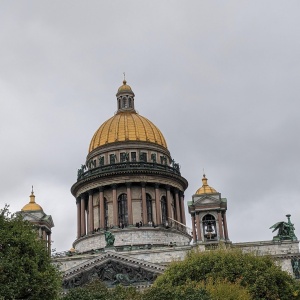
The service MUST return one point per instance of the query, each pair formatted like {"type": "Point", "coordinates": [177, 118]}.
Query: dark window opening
{"type": "Point", "coordinates": [153, 157]}
{"type": "Point", "coordinates": [112, 158]}
{"type": "Point", "coordinates": [105, 214]}
{"type": "Point", "coordinates": [209, 227]}
{"type": "Point", "coordinates": [164, 214]}
{"type": "Point", "coordinates": [124, 102]}
{"type": "Point", "coordinates": [149, 208]}
{"type": "Point", "coordinates": [124, 157]}
{"type": "Point", "coordinates": [143, 156]}
{"type": "Point", "coordinates": [122, 210]}
{"type": "Point", "coordinates": [133, 156]}
{"type": "Point", "coordinates": [163, 160]}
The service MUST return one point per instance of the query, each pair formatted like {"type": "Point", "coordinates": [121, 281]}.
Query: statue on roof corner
{"type": "Point", "coordinates": [286, 230]}
{"type": "Point", "coordinates": [109, 239]}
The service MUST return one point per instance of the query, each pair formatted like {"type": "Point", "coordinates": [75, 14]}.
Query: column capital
{"type": "Point", "coordinates": [90, 192]}
{"type": "Point", "coordinates": [176, 191]}
{"type": "Point", "coordinates": [156, 185]}
{"type": "Point", "coordinates": [78, 199]}
{"type": "Point", "coordinates": [114, 186]}
{"type": "Point", "coordinates": [100, 188]}
{"type": "Point", "coordinates": [128, 184]}
{"type": "Point", "coordinates": [168, 188]}
{"type": "Point", "coordinates": [143, 184]}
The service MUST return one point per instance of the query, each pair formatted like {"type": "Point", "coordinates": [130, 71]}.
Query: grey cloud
{"type": "Point", "coordinates": [221, 81]}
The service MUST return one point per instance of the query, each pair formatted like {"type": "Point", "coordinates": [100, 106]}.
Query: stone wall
{"type": "Point", "coordinates": [269, 247]}
{"type": "Point", "coordinates": [133, 236]}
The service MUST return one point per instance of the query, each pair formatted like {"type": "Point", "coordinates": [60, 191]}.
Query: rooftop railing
{"type": "Point", "coordinates": [127, 166]}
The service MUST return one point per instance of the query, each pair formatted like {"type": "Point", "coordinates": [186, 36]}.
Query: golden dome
{"type": "Point", "coordinates": [205, 189]}
{"type": "Point", "coordinates": [32, 205]}
{"type": "Point", "coordinates": [124, 88]}
{"type": "Point", "coordinates": [127, 126]}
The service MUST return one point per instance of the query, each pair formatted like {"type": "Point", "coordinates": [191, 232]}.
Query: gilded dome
{"type": "Point", "coordinates": [127, 126]}
{"type": "Point", "coordinates": [205, 189]}
{"type": "Point", "coordinates": [32, 205]}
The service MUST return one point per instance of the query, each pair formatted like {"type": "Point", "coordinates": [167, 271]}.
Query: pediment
{"type": "Point", "coordinates": [30, 217]}
{"type": "Point", "coordinates": [112, 269]}
{"type": "Point", "coordinates": [202, 200]}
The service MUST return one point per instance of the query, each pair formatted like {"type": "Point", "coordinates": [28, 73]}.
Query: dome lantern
{"type": "Point", "coordinates": [125, 98]}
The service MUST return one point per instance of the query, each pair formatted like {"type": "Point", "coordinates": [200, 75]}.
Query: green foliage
{"type": "Point", "coordinates": [189, 291]}
{"type": "Point", "coordinates": [98, 290]}
{"type": "Point", "coordinates": [25, 266]}
{"type": "Point", "coordinates": [259, 274]}
{"type": "Point", "coordinates": [93, 290]}
{"type": "Point", "coordinates": [224, 290]}
{"type": "Point", "coordinates": [125, 293]}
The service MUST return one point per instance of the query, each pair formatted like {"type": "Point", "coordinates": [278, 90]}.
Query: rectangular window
{"type": "Point", "coordinates": [133, 156]}
{"type": "Point", "coordinates": [163, 160]}
{"type": "Point", "coordinates": [101, 161]}
{"type": "Point", "coordinates": [112, 158]}
{"type": "Point", "coordinates": [153, 157]}
{"type": "Point", "coordinates": [143, 156]}
{"type": "Point", "coordinates": [122, 157]}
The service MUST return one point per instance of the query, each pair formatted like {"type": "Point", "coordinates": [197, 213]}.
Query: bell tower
{"type": "Point", "coordinates": [208, 213]}
{"type": "Point", "coordinates": [43, 223]}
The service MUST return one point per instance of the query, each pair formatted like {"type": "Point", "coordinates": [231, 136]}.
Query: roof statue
{"type": "Point", "coordinates": [109, 238]}
{"type": "Point", "coordinates": [286, 230]}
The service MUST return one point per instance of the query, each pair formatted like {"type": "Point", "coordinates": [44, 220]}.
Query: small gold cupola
{"type": "Point", "coordinates": [32, 205]}
{"type": "Point", "coordinates": [205, 189]}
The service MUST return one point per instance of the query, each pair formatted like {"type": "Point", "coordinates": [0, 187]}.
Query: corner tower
{"type": "Point", "coordinates": [208, 213]}
{"type": "Point", "coordinates": [34, 213]}
{"type": "Point", "coordinates": [129, 184]}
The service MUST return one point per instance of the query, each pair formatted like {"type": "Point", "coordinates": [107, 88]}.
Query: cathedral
{"type": "Point", "coordinates": [130, 204]}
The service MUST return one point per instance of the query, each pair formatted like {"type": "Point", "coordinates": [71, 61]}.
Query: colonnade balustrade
{"type": "Point", "coordinates": [85, 208]}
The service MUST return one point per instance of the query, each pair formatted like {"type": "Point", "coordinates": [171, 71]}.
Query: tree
{"type": "Point", "coordinates": [189, 291]}
{"type": "Point", "coordinates": [98, 290]}
{"type": "Point", "coordinates": [258, 274]}
{"type": "Point", "coordinates": [26, 271]}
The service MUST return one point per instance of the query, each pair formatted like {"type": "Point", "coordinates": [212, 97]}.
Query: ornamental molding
{"type": "Point", "coordinates": [112, 269]}
{"type": "Point", "coordinates": [206, 199]}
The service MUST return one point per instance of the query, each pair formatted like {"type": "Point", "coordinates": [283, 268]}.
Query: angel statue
{"type": "Point", "coordinates": [286, 230]}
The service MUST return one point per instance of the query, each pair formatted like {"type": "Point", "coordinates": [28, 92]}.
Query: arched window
{"type": "Point", "coordinates": [122, 210]}
{"type": "Point", "coordinates": [173, 209]}
{"type": "Point", "coordinates": [149, 207]}
{"type": "Point", "coordinates": [124, 102]}
{"type": "Point", "coordinates": [105, 214]}
{"type": "Point", "coordinates": [209, 227]}
{"type": "Point", "coordinates": [164, 214]}
{"type": "Point", "coordinates": [119, 103]}
{"type": "Point", "coordinates": [129, 104]}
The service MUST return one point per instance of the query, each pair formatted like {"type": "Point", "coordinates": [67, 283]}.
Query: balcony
{"type": "Point", "coordinates": [127, 166]}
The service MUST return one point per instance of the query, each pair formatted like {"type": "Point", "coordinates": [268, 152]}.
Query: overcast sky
{"type": "Point", "coordinates": [221, 79]}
